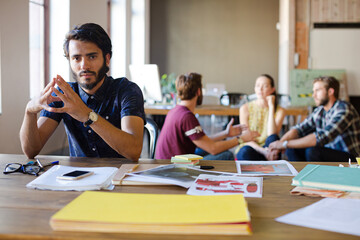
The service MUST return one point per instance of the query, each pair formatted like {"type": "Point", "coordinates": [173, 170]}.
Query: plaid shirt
{"type": "Point", "coordinates": [338, 129]}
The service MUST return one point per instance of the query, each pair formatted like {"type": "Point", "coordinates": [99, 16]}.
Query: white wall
{"type": "Point", "coordinates": [83, 11]}
{"type": "Point", "coordinates": [338, 49]}
{"type": "Point", "coordinates": [230, 42]}
{"type": "Point", "coordinates": [14, 71]}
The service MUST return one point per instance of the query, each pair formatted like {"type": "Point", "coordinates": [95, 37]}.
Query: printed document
{"type": "Point", "coordinates": [330, 214]}
{"type": "Point", "coordinates": [222, 185]}
{"type": "Point", "coordinates": [263, 168]}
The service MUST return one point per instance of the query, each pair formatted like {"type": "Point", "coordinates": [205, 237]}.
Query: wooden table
{"type": "Point", "coordinates": [25, 213]}
{"type": "Point", "coordinates": [218, 110]}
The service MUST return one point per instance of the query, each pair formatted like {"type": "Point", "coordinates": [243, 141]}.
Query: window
{"type": "Point", "coordinates": [129, 28]}
{"type": "Point", "coordinates": [59, 11]}
{"type": "Point", "coordinates": [37, 46]}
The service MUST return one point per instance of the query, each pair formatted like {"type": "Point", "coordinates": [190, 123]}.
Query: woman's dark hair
{"type": "Point", "coordinates": [272, 83]}
{"type": "Point", "coordinates": [89, 32]}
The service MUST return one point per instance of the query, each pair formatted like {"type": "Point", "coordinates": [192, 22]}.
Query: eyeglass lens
{"type": "Point", "coordinates": [12, 167]}
{"type": "Point", "coordinates": [32, 169]}
{"type": "Point", "coordinates": [17, 167]}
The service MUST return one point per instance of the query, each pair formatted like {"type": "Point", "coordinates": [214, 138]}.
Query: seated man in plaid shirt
{"type": "Point", "coordinates": [330, 134]}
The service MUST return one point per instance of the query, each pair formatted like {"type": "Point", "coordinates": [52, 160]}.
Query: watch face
{"type": "Point", "coordinates": [93, 116]}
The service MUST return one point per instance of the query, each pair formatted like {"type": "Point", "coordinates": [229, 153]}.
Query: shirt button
{"type": "Point", "coordinates": [89, 131]}
{"type": "Point", "coordinates": [107, 117]}
{"type": "Point", "coordinates": [94, 149]}
{"type": "Point", "coordinates": [92, 97]}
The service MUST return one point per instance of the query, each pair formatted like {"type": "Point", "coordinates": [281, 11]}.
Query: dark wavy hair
{"type": "Point", "coordinates": [89, 32]}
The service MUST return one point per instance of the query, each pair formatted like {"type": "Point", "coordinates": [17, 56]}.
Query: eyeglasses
{"type": "Point", "coordinates": [29, 168]}
{"type": "Point", "coordinates": [26, 168]}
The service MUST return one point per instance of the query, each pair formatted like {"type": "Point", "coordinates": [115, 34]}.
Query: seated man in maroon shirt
{"type": "Point", "coordinates": [182, 133]}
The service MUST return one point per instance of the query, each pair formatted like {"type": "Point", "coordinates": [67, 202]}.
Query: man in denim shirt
{"type": "Point", "coordinates": [331, 133]}
{"type": "Point", "coordinates": [103, 117]}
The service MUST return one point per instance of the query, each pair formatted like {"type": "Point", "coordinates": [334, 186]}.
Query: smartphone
{"type": "Point", "coordinates": [75, 175]}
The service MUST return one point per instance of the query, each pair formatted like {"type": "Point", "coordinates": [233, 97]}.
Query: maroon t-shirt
{"type": "Point", "coordinates": [181, 127]}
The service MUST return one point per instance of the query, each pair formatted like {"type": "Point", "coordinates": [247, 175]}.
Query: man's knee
{"type": "Point", "coordinates": [294, 154]}
{"type": "Point", "coordinates": [247, 153]}
{"type": "Point", "coordinates": [228, 155]}
{"type": "Point", "coordinates": [312, 154]}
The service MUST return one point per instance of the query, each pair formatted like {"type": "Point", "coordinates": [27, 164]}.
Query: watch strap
{"type": "Point", "coordinates": [88, 122]}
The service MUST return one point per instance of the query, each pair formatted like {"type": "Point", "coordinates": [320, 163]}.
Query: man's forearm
{"type": "Point", "coordinates": [30, 136]}
{"type": "Point", "coordinates": [304, 142]}
{"type": "Point", "coordinates": [218, 136]}
{"type": "Point", "coordinates": [289, 135]}
{"type": "Point", "coordinates": [125, 143]}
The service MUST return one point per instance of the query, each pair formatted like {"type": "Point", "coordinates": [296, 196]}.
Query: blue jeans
{"type": "Point", "coordinates": [249, 153]}
{"type": "Point", "coordinates": [318, 154]}
{"type": "Point", "coordinates": [226, 155]}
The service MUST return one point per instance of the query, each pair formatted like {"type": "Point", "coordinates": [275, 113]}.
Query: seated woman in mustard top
{"type": "Point", "coordinates": [264, 116]}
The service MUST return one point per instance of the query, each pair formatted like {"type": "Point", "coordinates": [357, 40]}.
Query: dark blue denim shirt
{"type": "Point", "coordinates": [116, 98]}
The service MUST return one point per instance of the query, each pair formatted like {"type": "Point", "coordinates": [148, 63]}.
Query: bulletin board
{"type": "Point", "coordinates": [301, 84]}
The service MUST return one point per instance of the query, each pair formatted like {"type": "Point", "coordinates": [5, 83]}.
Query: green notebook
{"type": "Point", "coordinates": [328, 177]}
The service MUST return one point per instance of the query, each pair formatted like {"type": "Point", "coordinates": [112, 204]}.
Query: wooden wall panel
{"type": "Point", "coordinates": [335, 11]}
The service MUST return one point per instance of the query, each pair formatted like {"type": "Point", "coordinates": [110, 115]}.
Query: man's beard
{"type": "Point", "coordinates": [98, 77]}
{"type": "Point", "coordinates": [324, 101]}
{"type": "Point", "coordinates": [199, 100]}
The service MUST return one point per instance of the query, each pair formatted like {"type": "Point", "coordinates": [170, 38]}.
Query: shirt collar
{"type": "Point", "coordinates": [99, 94]}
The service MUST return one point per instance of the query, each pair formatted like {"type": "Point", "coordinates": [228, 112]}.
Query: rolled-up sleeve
{"type": "Point", "coordinates": [334, 126]}
{"type": "Point", "coordinates": [307, 126]}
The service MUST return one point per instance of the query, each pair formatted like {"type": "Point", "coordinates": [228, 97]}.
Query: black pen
{"type": "Point", "coordinates": [206, 167]}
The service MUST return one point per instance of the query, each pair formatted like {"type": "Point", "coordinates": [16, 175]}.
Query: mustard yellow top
{"type": "Point", "coordinates": [258, 118]}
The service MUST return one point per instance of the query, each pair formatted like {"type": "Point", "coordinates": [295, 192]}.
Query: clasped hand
{"type": "Point", "coordinates": [73, 105]}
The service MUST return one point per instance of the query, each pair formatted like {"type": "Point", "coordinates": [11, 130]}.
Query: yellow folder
{"type": "Point", "coordinates": [159, 213]}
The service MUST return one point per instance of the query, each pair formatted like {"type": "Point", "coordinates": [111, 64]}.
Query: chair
{"type": "Point", "coordinates": [153, 130]}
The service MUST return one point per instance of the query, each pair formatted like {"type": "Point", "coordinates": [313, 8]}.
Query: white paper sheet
{"type": "Point", "coordinates": [336, 215]}
{"type": "Point", "coordinates": [215, 185]}
{"type": "Point", "coordinates": [266, 168]}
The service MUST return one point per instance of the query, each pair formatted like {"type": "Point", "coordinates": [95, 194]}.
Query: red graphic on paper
{"type": "Point", "coordinates": [257, 168]}
{"type": "Point", "coordinates": [225, 186]}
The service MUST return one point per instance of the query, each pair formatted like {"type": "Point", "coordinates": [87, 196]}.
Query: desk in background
{"type": "Point", "coordinates": [220, 110]}
{"type": "Point", "coordinates": [294, 115]}
{"type": "Point", "coordinates": [25, 213]}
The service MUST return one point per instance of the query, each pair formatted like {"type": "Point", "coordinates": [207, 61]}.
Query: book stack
{"type": "Point", "coordinates": [187, 159]}
{"type": "Point", "coordinates": [154, 213]}
{"type": "Point", "coordinates": [329, 178]}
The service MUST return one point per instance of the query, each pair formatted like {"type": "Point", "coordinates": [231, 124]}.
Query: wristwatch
{"type": "Point", "coordinates": [93, 117]}
{"type": "Point", "coordinates": [285, 143]}
{"type": "Point", "coordinates": [240, 139]}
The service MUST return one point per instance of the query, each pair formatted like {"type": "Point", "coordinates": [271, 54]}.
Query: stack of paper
{"type": "Point", "coordinates": [154, 213]}
{"type": "Point", "coordinates": [188, 159]}
{"type": "Point", "coordinates": [101, 179]}
{"type": "Point", "coordinates": [122, 176]}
